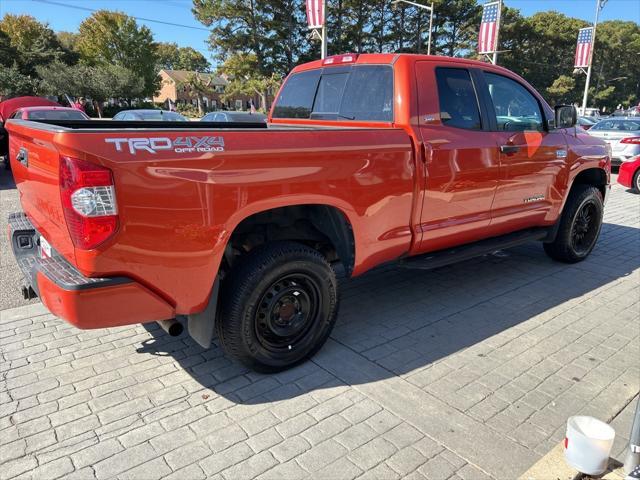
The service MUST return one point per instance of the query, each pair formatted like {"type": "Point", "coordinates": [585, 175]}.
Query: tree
{"type": "Point", "coordinates": [197, 85]}
{"type": "Point", "coordinates": [14, 84]}
{"type": "Point", "coordinates": [172, 57]}
{"type": "Point", "coordinates": [98, 83]}
{"type": "Point", "coordinates": [561, 90]}
{"type": "Point", "coordinates": [109, 38]}
{"type": "Point", "coordinates": [274, 31]}
{"type": "Point", "coordinates": [244, 78]}
{"type": "Point", "coordinates": [32, 43]}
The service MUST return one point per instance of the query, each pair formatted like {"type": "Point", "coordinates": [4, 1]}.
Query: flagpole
{"type": "Point", "coordinates": [593, 47]}
{"type": "Point", "coordinates": [323, 44]}
{"type": "Point", "coordinates": [495, 53]}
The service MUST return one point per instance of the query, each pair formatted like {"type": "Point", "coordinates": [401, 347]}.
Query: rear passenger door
{"type": "Point", "coordinates": [531, 156]}
{"type": "Point", "coordinates": [461, 157]}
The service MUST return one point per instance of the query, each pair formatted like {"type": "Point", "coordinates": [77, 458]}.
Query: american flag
{"type": "Point", "coordinates": [315, 13]}
{"type": "Point", "coordinates": [583, 49]}
{"type": "Point", "coordinates": [489, 28]}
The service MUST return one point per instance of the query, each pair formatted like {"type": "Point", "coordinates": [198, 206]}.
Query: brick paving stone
{"type": "Point", "coordinates": [429, 372]}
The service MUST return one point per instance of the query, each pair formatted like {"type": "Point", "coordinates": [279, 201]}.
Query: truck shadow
{"type": "Point", "coordinates": [398, 322]}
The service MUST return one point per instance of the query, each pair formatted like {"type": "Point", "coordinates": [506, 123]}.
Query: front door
{"type": "Point", "coordinates": [461, 158]}
{"type": "Point", "coordinates": [531, 156]}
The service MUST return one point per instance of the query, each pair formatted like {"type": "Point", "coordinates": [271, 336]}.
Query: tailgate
{"type": "Point", "coordinates": [35, 166]}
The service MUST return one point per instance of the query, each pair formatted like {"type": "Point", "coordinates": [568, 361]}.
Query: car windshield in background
{"type": "Point", "coordinates": [56, 115]}
{"type": "Point", "coordinates": [617, 125]}
{"type": "Point", "coordinates": [161, 115]}
{"type": "Point", "coordinates": [359, 92]}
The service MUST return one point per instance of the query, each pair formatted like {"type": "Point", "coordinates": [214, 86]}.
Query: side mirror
{"type": "Point", "coordinates": [566, 116]}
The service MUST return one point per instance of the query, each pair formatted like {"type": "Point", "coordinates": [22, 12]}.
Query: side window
{"type": "Point", "coordinates": [458, 100]}
{"type": "Point", "coordinates": [516, 109]}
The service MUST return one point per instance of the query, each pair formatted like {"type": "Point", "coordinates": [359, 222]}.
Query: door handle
{"type": "Point", "coordinates": [509, 149]}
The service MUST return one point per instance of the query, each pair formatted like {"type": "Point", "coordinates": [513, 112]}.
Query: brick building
{"type": "Point", "coordinates": [173, 88]}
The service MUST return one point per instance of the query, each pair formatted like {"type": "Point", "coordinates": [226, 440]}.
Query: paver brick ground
{"type": "Point", "coordinates": [468, 371]}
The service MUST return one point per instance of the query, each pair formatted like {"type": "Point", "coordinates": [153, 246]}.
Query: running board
{"type": "Point", "coordinates": [440, 258]}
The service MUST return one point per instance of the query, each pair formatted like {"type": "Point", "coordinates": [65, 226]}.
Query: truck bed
{"type": "Point", "coordinates": [177, 208]}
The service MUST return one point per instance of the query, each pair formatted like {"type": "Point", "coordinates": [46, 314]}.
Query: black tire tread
{"type": "Point", "coordinates": [241, 282]}
{"type": "Point", "coordinates": [560, 248]}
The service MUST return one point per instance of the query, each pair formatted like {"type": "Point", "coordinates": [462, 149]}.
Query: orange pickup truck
{"type": "Point", "coordinates": [235, 229]}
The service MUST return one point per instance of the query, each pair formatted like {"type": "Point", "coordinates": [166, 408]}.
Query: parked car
{"type": "Point", "coordinates": [150, 115]}
{"type": "Point", "coordinates": [590, 112]}
{"type": "Point", "coordinates": [622, 134]}
{"type": "Point", "coordinates": [629, 174]}
{"type": "Point", "coordinates": [49, 113]}
{"type": "Point", "coordinates": [7, 107]}
{"type": "Point", "coordinates": [230, 116]}
{"type": "Point", "coordinates": [586, 122]}
{"type": "Point", "coordinates": [368, 159]}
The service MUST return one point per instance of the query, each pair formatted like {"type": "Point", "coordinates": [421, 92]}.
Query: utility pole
{"type": "Point", "coordinates": [495, 53]}
{"type": "Point", "coordinates": [599, 6]}
{"type": "Point", "coordinates": [424, 7]}
{"type": "Point", "coordinates": [323, 33]}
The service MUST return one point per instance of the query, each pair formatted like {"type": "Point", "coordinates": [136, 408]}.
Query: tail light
{"type": "Point", "coordinates": [631, 140]}
{"type": "Point", "coordinates": [89, 202]}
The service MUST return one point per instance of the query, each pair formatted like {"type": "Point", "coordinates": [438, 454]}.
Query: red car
{"type": "Point", "coordinates": [49, 113]}
{"type": "Point", "coordinates": [235, 228]}
{"type": "Point", "coordinates": [8, 107]}
{"type": "Point", "coordinates": [629, 174]}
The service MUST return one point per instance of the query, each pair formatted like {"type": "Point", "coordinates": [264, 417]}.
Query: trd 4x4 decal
{"type": "Point", "coordinates": [189, 144]}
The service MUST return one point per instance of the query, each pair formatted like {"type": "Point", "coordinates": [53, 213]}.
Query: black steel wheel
{"type": "Point", "coordinates": [279, 306]}
{"type": "Point", "coordinates": [579, 227]}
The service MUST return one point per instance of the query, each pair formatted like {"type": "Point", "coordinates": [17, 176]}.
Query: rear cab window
{"type": "Point", "coordinates": [457, 97]}
{"type": "Point", "coordinates": [356, 92]}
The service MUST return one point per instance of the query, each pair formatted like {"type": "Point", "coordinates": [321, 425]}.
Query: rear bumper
{"type": "Point", "coordinates": [82, 301]}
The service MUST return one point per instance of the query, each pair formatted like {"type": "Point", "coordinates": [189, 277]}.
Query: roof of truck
{"type": "Point", "coordinates": [386, 58]}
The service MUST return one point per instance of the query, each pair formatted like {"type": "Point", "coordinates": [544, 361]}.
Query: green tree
{"type": "Point", "coordinates": [13, 83]}
{"type": "Point", "coordinates": [244, 78]}
{"type": "Point", "coordinates": [109, 38]}
{"type": "Point", "coordinates": [197, 85]}
{"type": "Point", "coordinates": [98, 83]}
{"type": "Point", "coordinates": [172, 57]}
{"type": "Point", "coordinates": [562, 90]}
{"type": "Point", "coordinates": [274, 31]}
{"type": "Point", "coordinates": [32, 43]}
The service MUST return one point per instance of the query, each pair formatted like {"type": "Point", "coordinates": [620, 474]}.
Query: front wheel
{"type": "Point", "coordinates": [580, 225]}
{"type": "Point", "coordinates": [279, 306]}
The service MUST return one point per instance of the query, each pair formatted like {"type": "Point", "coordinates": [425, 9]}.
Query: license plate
{"type": "Point", "coordinates": [45, 248]}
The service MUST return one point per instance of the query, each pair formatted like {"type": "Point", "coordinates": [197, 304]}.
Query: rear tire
{"type": "Point", "coordinates": [279, 306]}
{"type": "Point", "coordinates": [580, 225]}
{"type": "Point", "coordinates": [635, 183]}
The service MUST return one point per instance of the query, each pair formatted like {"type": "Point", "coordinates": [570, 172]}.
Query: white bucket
{"type": "Point", "coordinates": [588, 444]}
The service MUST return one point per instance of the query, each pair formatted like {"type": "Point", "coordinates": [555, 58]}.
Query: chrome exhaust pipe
{"type": "Point", "coordinates": [171, 326]}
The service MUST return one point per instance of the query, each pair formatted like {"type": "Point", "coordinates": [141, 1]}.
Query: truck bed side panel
{"type": "Point", "coordinates": [178, 209]}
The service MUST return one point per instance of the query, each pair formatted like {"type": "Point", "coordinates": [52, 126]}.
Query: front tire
{"type": "Point", "coordinates": [279, 306]}
{"type": "Point", "coordinates": [580, 225]}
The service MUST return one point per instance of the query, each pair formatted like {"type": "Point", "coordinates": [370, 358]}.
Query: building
{"type": "Point", "coordinates": [174, 88]}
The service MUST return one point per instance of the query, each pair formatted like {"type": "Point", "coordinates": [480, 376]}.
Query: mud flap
{"type": "Point", "coordinates": [201, 325]}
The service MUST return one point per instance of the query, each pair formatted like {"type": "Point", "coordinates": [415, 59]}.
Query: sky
{"type": "Point", "coordinates": [66, 15]}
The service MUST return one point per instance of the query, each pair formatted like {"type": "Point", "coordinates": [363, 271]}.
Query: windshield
{"type": "Point", "coordinates": [160, 115]}
{"type": "Point", "coordinates": [56, 115]}
{"type": "Point", "coordinates": [359, 92]}
{"type": "Point", "coordinates": [620, 125]}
